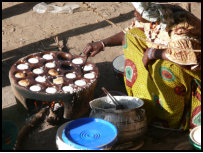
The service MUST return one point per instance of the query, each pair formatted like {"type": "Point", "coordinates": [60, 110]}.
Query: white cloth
{"type": "Point", "coordinates": [154, 12]}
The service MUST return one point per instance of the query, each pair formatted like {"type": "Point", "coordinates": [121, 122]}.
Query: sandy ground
{"type": "Point", "coordinates": [25, 31]}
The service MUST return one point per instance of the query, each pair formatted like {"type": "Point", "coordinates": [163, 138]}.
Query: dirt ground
{"type": "Point", "coordinates": [25, 31]}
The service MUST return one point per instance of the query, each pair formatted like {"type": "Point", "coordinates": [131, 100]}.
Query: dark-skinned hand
{"type": "Point", "coordinates": [146, 60]}
{"type": "Point", "coordinates": [93, 48]}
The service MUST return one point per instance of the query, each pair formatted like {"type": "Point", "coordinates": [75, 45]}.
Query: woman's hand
{"type": "Point", "coordinates": [93, 48]}
{"type": "Point", "coordinates": [148, 56]}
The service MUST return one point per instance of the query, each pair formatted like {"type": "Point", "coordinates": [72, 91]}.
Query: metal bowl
{"type": "Point", "coordinates": [118, 67]}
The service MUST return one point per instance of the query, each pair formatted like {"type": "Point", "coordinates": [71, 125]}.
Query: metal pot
{"type": "Point", "coordinates": [131, 122]}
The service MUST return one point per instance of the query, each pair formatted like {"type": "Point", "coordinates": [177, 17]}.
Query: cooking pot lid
{"type": "Point", "coordinates": [90, 134]}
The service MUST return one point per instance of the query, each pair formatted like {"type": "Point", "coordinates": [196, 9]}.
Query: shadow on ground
{"type": "Point", "coordinates": [43, 140]}
{"type": "Point", "coordinates": [108, 79]}
{"type": "Point", "coordinates": [18, 9]}
{"type": "Point", "coordinates": [15, 114]}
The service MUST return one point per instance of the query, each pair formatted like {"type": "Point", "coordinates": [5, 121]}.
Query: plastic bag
{"type": "Point", "coordinates": [40, 8]}
{"type": "Point", "coordinates": [43, 7]}
{"type": "Point", "coordinates": [65, 9]}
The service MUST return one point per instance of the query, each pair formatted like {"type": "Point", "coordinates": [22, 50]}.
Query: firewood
{"type": "Point", "coordinates": [37, 118]}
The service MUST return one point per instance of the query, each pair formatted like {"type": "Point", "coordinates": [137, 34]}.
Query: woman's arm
{"type": "Point", "coordinates": [95, 47]}
{"type": "Point", "coordinates": [114, 40]}
{"type": "Point", "coordinates": [152, 54]}
{"type": "Point", "coordinates": [159, 54]}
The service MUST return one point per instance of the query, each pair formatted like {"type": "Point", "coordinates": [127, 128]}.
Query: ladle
{"type": "Point", "coordinates": [118, 106]}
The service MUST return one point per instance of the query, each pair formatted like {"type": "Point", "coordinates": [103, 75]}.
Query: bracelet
{"type": "Point", "coordinates": [102, 44]}
{"type": "Point", "coordinates": [150, 53]}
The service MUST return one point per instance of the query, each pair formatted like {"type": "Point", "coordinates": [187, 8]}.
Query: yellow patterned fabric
{"type": "Point", "coordinates": [173, 98]}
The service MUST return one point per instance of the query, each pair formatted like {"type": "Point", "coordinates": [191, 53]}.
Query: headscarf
{"type": "Point", "coordinates": [154, 12]}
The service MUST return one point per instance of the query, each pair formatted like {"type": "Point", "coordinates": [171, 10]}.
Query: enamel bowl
{"type": "Point", "coordinates": [195, 137]}
{"type": "Point", "coordinates": [118, 67]}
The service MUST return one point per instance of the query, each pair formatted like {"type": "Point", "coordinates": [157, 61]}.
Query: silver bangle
{"type": "Point", "coordinates": [150, 53]}
{"type": "Point", "coordinates": [102, 44]}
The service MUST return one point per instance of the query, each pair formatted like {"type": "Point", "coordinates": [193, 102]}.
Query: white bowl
{"type": "Point", "coordinates": [195, 137]}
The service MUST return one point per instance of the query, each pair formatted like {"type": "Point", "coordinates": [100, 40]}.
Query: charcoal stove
{"type": "Point", "coordinates": [45, 77]}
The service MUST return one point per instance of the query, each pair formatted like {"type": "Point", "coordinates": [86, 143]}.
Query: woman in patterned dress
{"type": "Point", "coordinates": [166, 79]}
